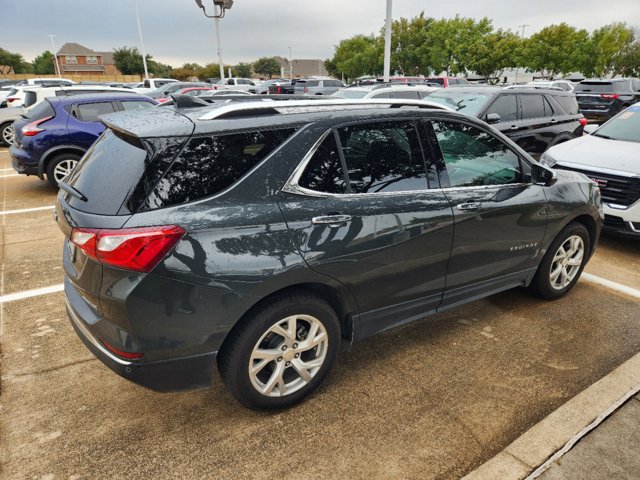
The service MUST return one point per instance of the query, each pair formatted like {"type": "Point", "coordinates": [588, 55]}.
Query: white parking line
{"type": "Point", "coordinates": [27, 210]}
{"type": "Point", "coordinates": [12, 297]}
{"type": "Point", "coordinates": [7, 170]}
{"type": "Point", "coordinates": [10, 175]}
{"type": "Point", "coordinates": [632, 292]}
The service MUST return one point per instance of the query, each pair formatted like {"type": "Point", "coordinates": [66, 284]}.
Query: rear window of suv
{"type": "Point", "coordinates": [569, 103]}
{"type": "Point", "coordinates": [602, 87]}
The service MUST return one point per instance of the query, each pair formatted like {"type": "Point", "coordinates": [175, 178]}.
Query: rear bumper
{"type": "Point", "coordinates": [176, 374]}
{"type": "Point", "coordinates": [22, 162]}
{"type": "Point", "coordinates": [597, 115]}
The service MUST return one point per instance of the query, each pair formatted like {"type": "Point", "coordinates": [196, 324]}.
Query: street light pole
{"type": "Point", "coordinates": [517, 68]}
{"type": "Point", "coordinates": [220, 62]}
{"type": "Point", "coordinates": [55, 57]}
{"type": "Point", "coordinates": [387, 42]}
{"type": "Point", "coordinates": [290, 65]}
{"type": "Point", "coordinates": [144, 54]}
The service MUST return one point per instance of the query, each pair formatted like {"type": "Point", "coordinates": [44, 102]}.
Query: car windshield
{"type": "Point", "coordinates": [350, 93]}
{"type": "Point", "coordinates": [624, 126]}
{"type": "Point", "coordinates": [463, 102]}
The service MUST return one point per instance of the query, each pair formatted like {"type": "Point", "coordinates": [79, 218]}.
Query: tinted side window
{"type": "Point", "coordinates": [548, 109]}
{"type": "Point", "coordinates": [473, 157]}
{"type": "Point", "coordinates": [506, 106]}
{"type": "Point", "coordinates": [382, 95]}
{"type": "Point", "coordinates": [532, 106]}
{"type": "Point", "coordinates": [383, 157]}
{"type": "Point", "coordinates": [208, 165]}
{"type": "Point", "coordinates": [89, 111]}
{"type": "Point", "coordinates": [569, 104]}
{"type": "Point", "coordinates": [312, 83]}
{"type": "Point", "coordinates": [324, 171]}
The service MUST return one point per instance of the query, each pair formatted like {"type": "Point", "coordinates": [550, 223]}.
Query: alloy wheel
{"type": "Point", "coordinates": [8, 134]}
{"type": "Point", "coordinates": [566, 262]}
{"type": "Point", "coordinates": [288, 355]}
{"type": "Point", "coordinates": [64, 168]}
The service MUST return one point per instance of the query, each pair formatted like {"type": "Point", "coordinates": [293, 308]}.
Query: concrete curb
{"type": "Point", "coordinates": [534, 451]}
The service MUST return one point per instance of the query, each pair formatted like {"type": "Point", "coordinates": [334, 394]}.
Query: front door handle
{"type": "Point", "coordinates": [469, 206]}
{"type": "Point", "coordinates": [331, 220]}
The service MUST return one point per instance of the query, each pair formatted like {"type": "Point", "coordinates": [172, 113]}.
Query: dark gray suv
{"type": "Point", "coordinates": [261, 235]}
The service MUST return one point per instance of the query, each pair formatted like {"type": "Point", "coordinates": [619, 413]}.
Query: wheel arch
{"type": "Point", "coordinates": [341, 306]}
{"type": "Point", "coordinates": [52, 152]}
{"type": "Point", "coordinates": [590, 224]}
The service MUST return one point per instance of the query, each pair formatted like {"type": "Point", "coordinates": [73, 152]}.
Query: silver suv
{"type": "Point", "coordinates": [317, 86]}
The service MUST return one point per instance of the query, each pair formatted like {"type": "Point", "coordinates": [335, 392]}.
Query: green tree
{"type": "Point", "coordinates": [15, 61]}
{"type": "Point", "coordinates": [245, 70]}
{"type": "Point", "coordinates": [331, 68]}
{"type": "Point", "coordinates": [44, 64]}
{"type": "Point", "coordinates": [410, 52]}
{"type": "Point", "coordinates": [359, 55]}
{"type": "Point", "coordinates": [628, 63]}
{"type": "Point", "coordinates": [129, 61]}
{"type": "Point", "coordinates": [493, 53]}
{"type": "Point", "coordinates": [267, 66]}
{"type": "Point", "coordinates": [210, 70]}
{"type": "Point", "coordinates": [554, 50]}
{"type": "Point", "coordinates": [606, 49]}
{"type": "Point", "coordinates": [450, 40]}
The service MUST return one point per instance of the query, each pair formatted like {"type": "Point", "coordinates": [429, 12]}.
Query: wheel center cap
{"type": "Point", "coordinates": [288, 355]}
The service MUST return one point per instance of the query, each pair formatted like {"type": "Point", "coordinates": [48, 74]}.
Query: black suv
{"type": "Point", "coordinates": [260, 235]}
{"type": "Point", "coordinates": [601, 100]}
{"type": "Point", "coordinates": [535, 119]}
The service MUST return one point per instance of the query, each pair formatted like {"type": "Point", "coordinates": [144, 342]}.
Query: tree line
{"type": "Point", "coordinates": [424, 45]}
{"type": "Point", "coordinates": [128, 61]}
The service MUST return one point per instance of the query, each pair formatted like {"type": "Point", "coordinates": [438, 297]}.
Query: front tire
{"type": "Point", "coordinates": [281, 353]}
{"type": "Point", "coordinates": [563, 263]}
{"type": "Point", "coordinates": [60, 166]}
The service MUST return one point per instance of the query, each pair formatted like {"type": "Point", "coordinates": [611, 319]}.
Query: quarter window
{"type": "Point", "coordinates": [208, 165]}
{"type": "Point", "coordinates": [473, 157]}
{"type": "Point", "coordinates": [506, 106]}
{"type": "Point", "coordinates": [383, 157]}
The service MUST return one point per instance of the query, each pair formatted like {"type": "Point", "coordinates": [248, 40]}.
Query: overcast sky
{"type": "Point", "coordinates": [176, 31]}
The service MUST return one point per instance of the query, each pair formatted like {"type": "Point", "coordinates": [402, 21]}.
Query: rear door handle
{"type": "Point", "coordinates": [331, 220]}
{"type": "Point", "coordinates": [469, 206]}
{"type": "Point", "coordinates": [513, 128]}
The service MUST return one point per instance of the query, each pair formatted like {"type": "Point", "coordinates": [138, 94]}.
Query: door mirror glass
{"type": "Point", "coordinates": [541, 175]}
{"type": "Point", "coordinates": [493, 118]}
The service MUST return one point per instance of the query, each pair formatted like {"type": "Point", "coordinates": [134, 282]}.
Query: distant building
{"type": "Point", "coordinates": [76, 59]}
{"type": "Point", "coordinates": [303, 67]}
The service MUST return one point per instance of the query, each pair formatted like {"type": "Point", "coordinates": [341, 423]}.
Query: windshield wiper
{"type": "Point", "coordinates": [74, 192]}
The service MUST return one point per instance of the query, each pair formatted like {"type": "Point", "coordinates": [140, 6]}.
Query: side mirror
{"type": "Point", "coordinates": [589, 129]}
{"type": "Point", "coordinates": [542, 176]}
{"type": "Point", "coordinates": [492, 118]}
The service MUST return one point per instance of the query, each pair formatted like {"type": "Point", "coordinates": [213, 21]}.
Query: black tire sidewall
{"type": "Point", "coordinates": [542, 282]}
{"type": "Point", "coordinates": [55, 161]}
{"type": "Point", "coordinates": [235, 363]}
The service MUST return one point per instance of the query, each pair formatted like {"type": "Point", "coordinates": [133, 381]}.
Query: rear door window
{"type": "Point", "coordinates": [410, 94]}
{"type": "Point", "coordinates": [532, 106]}
{"type": "Point", "coordinates": [30, 98]}
{"type": "Point", "coordinates": [208, 165]}
{"type": "Point", "coordinates": [324, 172]}
{"type": "Point", "coordinates": [89, 112]}
{"type": "Point", "coordinates": [383, 157]}
{"type": "Point", "coordinates": [506, 106]}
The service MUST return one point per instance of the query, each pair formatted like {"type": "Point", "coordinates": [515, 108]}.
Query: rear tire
{"type": "Point", "coordinates": [563, 263]}
{"type": "Point", "coordinates": [280, 354]}
{"type": "Point", "coordinates": [60, 166]}
{"type": "Point", "coordinates": [6, 134]}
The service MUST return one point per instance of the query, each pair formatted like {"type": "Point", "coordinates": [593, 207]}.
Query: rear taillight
{"type": "Point", "coordinates": [11, 99]}
{"type": "Point", "coordinates": [32, 128]}
{"type": "Point", "coordinates": [121, 353]}
{"type": "Point", "coordinates": [162, 100]}
{"type": "Point", "coordinates": [137, 249]}
{"type": "Point", "coordinates": [279, 89]}
{"type": "Point", "coordinates": [583, 121]}
{"type": "Point", "coordinates": [609, 96]}
{"type": "Point", "coordinates": [306, 89]}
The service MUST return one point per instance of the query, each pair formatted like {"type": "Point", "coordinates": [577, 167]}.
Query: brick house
{"type": "Point", "coordinates": [76, 59]}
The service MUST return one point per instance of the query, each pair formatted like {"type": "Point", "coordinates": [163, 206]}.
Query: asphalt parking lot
{"type": "Point", "coordinates": [429, 400]}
